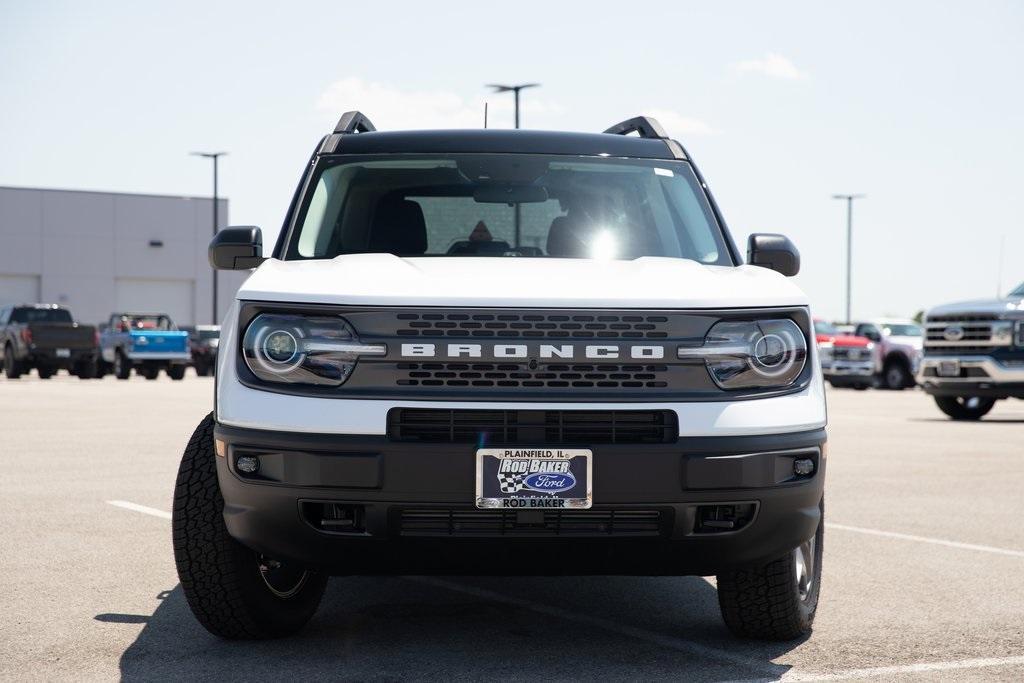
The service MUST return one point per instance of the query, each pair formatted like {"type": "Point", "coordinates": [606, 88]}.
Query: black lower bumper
{"type": "Point", "coordinates": [49, 358]}
{"type": "Point", "coordinates": [981, 389]}
{"type": "Point", "coordinates": [658, 508]}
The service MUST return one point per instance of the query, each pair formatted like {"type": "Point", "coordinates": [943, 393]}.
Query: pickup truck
{"type": "Point", "coordinates": [46, 337]}
{"type": "Point", "coordinates": [147, 342]}
{"type": "Point", "coordinates": [898, 344]}
{"type": "Point", "coordinates": [847, 360]}
{"type": "Point", "coordinates": [974, 354]}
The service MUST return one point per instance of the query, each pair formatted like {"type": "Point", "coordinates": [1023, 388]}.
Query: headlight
{"type": "Point", "coordinates": [1002, 333]}
{"type": "Point", "coordinates": [303, 349]}
{"type": "Point", "coordinates": [752, 354]}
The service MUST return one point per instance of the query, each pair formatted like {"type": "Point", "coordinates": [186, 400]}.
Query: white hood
{"type": "Point", "coordinates": [648, 282]}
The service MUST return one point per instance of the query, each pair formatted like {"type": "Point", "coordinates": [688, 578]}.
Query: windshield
{"type": "Point", "coordinates": [507, 205]}
{"type": "Point", "coordinates": [901, 330]}
{"type": "Point", "coordinates": [126, 323]}
{"type": "Point", "coordinates": [822, 327]}
{"type": "Point", "coordinates": [40, 315]}
{"type": "Point", "coordinates": [1019, 291]}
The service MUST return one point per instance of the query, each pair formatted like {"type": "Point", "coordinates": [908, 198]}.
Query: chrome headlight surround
{"type": "Point", "coordinates": [752, 354]}
{"type": "Point", "coordinates": [303, 349]}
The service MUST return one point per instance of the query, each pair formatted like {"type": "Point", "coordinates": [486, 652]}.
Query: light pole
{"type": "Point", "coordinates": [514, 89]}
{"type": "Point", "coordinates": [849, 244]}
{"type": "Point", "coordinates": [215, 156]}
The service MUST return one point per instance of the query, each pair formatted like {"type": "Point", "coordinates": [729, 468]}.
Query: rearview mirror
{"type": "Point", "coordinates": [238, 248]}
{"type": "Point", "coordinates": [510, 194]}
{"type": "Point", "coordinates": [775, 252]}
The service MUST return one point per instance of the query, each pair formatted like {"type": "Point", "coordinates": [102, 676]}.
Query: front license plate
{"type": "Point", "coordinates": [63, 353]}
{"type": "Point", "coordinates": [534, 478]}
{"type": "Point", "coordinates": [949, 368]}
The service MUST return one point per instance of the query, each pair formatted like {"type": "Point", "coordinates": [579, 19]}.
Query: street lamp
{"type": "Point", "coordinates": [514, 89]}
{"type": "Point", "coordinates": [849, 243]}
{"type": "Point", "coordinates": [215, 156]}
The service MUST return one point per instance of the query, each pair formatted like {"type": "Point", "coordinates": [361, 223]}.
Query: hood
{"type": "Point", "coordinates": [648, 282]}
{"type": "Point", "coordinates": [903, 340]}
{"type": "Point", "coordinates": [995, 306]}
{"type": "Point", "coordinates": [849, 340]}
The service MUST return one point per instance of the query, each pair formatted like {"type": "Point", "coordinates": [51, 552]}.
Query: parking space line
{"type": "Point", "coordinates": [926, 539]}
{"type": "Point", "coordinates": [662, 640]}
{"type": "Point", "coordinates": [139, 508]}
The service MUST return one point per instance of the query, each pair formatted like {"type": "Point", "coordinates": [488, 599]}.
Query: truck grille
{"type": "Point", "coordinates": [541, 325]}
{"type": "Point", "coordinates": [548, 427]}
{"type": "Point", "coordinates": [602, 376]}
{"type": "Point", "coordinates": [854, 353]}
{"type": "Point", "coordinates": [950, 334]}
{"type": "Point", "coordinates": [473, 522]}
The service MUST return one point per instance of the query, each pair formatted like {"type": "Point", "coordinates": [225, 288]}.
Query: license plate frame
{"type": "Point", "coordinates": [520, 483]}
{"type": "Point", "coordinates": [948, 368]}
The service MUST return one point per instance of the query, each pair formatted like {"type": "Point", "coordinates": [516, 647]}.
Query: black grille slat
{"type": "Point", "coordinates": [499, 427]}
{"type": "Point", "coordinates": [533, 325]}
{"type": "Point", "coordinates": [515, 375]}
{"type": "Point", "coordinates": [482, 523]}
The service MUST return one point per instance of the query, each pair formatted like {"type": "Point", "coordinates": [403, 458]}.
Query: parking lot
{"type": "Point", "coordinates": [923, 569]}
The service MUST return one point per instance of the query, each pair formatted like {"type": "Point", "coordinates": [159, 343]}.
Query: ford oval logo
{"type": "Point", "coordinates": [549, 482]}
{"type": "Point", "coordinates": [953, 333]}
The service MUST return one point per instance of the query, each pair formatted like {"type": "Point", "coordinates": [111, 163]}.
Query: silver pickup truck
{"type": "Point", "coordinates": [974, 354]}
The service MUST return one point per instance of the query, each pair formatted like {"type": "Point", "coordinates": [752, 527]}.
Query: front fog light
{"type": "Point", "coordinates": [752, 354]}
{"type": "Point", "coordinates": [299, 349]}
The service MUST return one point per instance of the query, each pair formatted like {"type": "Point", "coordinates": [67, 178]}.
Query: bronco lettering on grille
{"type": "Point", "coordinates": [591, 351]}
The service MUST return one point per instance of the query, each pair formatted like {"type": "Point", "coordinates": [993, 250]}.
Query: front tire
{"type": "Point", "coordinates": [965, 407]}
{"type": "Point", "coordinates": [233, 591]}
{"type": "Point", "coordinates": [776, 601]}
{"type": "Point", "coordinates": [896, 377]}
{"type": "Point", "coordinates": [11, 366]}
{"type": "Point", "coordinates": [122, 367]}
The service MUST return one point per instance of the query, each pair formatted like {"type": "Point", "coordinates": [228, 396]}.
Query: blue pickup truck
{"type": "Point", "coordinates": [145, 341]}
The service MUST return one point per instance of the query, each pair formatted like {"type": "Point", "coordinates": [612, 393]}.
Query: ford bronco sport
{"type": "Point", "coordinates": [506, 352]}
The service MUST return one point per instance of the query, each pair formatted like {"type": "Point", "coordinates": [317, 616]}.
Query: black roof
{"type": "Point", "coordinates": [491, 140]}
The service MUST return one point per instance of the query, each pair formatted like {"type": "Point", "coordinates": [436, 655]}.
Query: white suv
{"type": "Point", "coordinates": [511, 352]}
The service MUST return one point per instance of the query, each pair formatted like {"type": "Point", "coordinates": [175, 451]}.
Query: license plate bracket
{"type": "Point", "coordinates": [534, 478]}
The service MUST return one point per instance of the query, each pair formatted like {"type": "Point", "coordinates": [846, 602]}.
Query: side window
{"type": "Point", "coordinates": [4, 313]}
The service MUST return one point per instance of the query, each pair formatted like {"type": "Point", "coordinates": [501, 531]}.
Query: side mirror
{"type": "Point", "coordinates": [775, 252]}
{"type": "Point", "coordinates": [237, 248]}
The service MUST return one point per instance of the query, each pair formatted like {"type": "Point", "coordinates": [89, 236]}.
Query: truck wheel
{"type": "Point", "coordinates": [776, 601]}
{"type": "Point", "coordinates": [896, 376]}
{"type": "Point", "coordinates": [45, 373]}
{"type": "Point", "coordinates": [176, 371]}
{"type": "Point", "coordinates": [11, 366]}
{"type": "Point", "coordinates": [203, 369]}
{"type": "Point", "coordinates": [233, 591]}
{"type": "Point", "coordinates": [964, 407]}
{"type": "Point", "coordinates": [122, 367]}
{"type": "Point", "coordinates": [149, 373]}
{"type": "Point", "coordinates": [87, 369]}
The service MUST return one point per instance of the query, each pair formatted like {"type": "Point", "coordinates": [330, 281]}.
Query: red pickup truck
{"type": "Point", "coordinates": [846, 360]}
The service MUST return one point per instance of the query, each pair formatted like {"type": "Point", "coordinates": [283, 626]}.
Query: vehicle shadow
{"type": "Point", "coordinates": [458, 628]}
{"type": "Point", "coordinates": [984, 420]}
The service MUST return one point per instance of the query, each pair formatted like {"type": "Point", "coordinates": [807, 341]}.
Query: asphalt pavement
{"type": "Point", "coordinates": [923, 566]}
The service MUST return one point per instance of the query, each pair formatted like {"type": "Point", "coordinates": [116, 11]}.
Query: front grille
{"type": "Point", "coordinates": [935, 349]}
{"type": "Point", "coordinates": [624, 326]}
{"type": "Point", "coordinates": [959, 318]}
{"type": "Point", "coordinates": [548, 427]}
{"type": "Point", "coordinates": [935, 333]}
{"type": "Point", "coordinates": [850, 353]}
{"type": "Point", "coordinates": [514, 375]}
{"type": "Point", "coordinates": [484, 523]}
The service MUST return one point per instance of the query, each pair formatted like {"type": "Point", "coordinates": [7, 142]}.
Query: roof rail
{"type": "Point", "coordinates": [646, 126]}
{"type": "Point", "coordinates": [354, 122]}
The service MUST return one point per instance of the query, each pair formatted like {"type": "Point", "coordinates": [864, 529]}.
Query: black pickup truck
{"type": "Point", "coordinates": [46, 337]}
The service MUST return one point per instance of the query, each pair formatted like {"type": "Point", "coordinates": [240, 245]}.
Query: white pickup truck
{"type": "Point", "coordinates": [514, 352]}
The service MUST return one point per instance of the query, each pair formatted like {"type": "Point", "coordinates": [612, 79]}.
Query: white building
{"type": "Point", "coordinates": [101, 252]}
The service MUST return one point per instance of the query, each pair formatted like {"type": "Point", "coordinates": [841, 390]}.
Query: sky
{"type": "Point", "coordinates": [917, 105]}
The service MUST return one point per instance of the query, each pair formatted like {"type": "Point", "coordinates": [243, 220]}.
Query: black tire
{"type": "Point", "coordinates": [122, 366]}
{"type": "Point", "coordinates": [11, 367]}
{"type": "Point", "coordinates": [965, 407]}
{"type": "Point", "coordinates": [896, 376]}
{"type": "Point", "coordinates": [176, 372]}
{"type": "Point", "coordinates": [204, 369]}
{"type": "Point", "coordinates": [45, 373]}
{"type": "Point", "coordinates": [103, 368]}
{"type": "Point", "coordinates": [223, 581]}
{"type": "Point", "coordinates": [861, 387]}
{"type": "Point", "coordinates": [149, 373]}
{"type": "Point", "coordinates": [86, 369]}
{"type": "Point", "coordinates": [768, 602]}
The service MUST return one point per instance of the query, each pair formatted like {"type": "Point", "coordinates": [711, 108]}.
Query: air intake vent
{"type": "Point", "coordinates": [523, 427]}
{"type": "Point", "coordinates": [511, 375]}
{"type": "Point", "coordinates": [484, 523]}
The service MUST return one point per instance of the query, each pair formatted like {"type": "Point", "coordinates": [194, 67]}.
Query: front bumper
{"type": "Point", "coordinates": [840, 368]}
{"type": "Point", "coordinates": [977, 376]}
{"type": "Point", "coordinates": [395, 486]}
